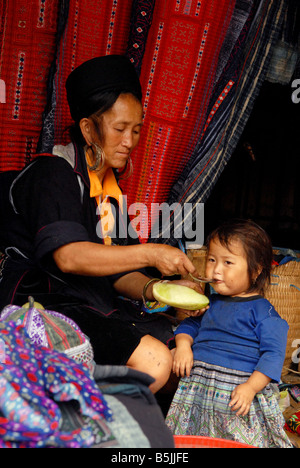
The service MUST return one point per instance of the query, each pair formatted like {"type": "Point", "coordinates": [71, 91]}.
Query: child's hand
{"type": "Point", "coordinates": [183, 361]}
{"type": "Point", "coordinates": [194, 313]}
{"type": "Point", "coordinates": [241, 399]}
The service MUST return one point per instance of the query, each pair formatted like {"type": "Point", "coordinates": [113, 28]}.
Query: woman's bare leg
{"type": "Point", "coordinates": [153, 358]}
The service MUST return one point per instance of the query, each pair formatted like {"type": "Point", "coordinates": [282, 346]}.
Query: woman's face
{"type": "Point", "coordinates": [121, 129]}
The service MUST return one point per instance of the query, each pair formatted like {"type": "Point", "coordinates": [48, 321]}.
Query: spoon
{"type": "Point", "coordinates": [201, 280]}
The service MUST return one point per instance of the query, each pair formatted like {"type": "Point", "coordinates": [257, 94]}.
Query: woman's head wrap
{"type": "Point", "coordinates": [97, 76]}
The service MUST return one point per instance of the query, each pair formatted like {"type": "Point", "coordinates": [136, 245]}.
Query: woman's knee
{"type": "Point", "coordinates": [153, 358]}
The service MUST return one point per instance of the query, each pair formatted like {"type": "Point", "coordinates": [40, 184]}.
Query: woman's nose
{"type": "Point", "coordinates": [128, 140]}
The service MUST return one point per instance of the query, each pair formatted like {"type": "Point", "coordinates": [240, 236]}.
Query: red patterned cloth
{"type": "Point", "coordinates": [91, 31]}
{"type": "Point", "coordinates": [178, 56]}
{"type": "Point", "coordinates": [177, 79]}
{"type": "Point", "coordinates": [27, 47]}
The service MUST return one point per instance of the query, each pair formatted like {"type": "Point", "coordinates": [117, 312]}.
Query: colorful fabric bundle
{"type": "Point", "coordinates": [52, 330]}
{"type": "Point", "coordinates": [293, 423]}
{"type": "Point", "coordinates": [294, 391]}
{"type": "Point", "coordinates": [33, 382]}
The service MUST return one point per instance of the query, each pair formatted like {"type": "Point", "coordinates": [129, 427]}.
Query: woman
{"type": "Point", "coordinates": [65, 236]}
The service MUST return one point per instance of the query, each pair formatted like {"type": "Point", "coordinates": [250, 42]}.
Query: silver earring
{"type": "Point", "coordinates": [100, 158]}
{"type": "Point", "coordinates": [130, 170]}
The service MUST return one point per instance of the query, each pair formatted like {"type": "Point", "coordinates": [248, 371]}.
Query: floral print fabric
{"type": "Point", "coordinates": [33, 381]}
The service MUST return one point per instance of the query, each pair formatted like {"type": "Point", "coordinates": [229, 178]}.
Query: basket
{"type": "Point", "coordinates": [284, 295]}
{"type": "Point", "coordinates": [206, 442]}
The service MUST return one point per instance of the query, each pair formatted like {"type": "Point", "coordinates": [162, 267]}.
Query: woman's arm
{"type": "Point", "coordinates": [91, 259]}
{"type": "Point", "coordinates": [132, 286]}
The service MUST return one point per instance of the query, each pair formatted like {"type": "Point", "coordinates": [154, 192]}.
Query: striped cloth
{"type": "Point", "coordinates": [200, 408]}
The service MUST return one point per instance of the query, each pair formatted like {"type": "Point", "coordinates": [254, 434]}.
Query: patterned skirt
{"type": "Point", "coordinates": [200, 408]}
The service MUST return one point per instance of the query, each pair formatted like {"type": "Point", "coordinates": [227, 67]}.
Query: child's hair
{"type": "Point", "coordinates": [257, 246]}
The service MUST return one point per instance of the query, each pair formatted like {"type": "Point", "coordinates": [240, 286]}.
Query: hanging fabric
{"type": "Point", "coordinates": [229, 110]}
{"type": "Point", "coordinates": [177, 78]}
{"type": "Point", "coordinates": [27, 47]}
{"type": "Point", "coordinates": [87, 33]}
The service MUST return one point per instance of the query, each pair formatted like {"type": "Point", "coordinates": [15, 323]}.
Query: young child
{"type": "Point", "coordinates": [229, 357]}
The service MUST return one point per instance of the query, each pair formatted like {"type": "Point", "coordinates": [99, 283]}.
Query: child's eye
{"type": "Point", "coordinates": [227, 262]}
{"type": "Point", "coordinates": [211, 260]}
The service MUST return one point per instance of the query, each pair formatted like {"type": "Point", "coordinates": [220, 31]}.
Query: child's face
{"type": "Point", "coordinates": [228, 268]}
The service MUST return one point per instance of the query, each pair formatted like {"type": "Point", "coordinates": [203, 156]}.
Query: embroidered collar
{"type": "Point", "coordinates": [109, 187]}
{"type": "Point", "coordinates": [75, 157]}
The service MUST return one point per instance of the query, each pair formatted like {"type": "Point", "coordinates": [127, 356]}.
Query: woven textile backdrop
{"type": "Point", "coordinates": [177, 78]}
{"type": "Point", "coordinates": [192, 56]}
{"type": "Point", "coordinates": [86, 33]}
{"type": "Point", "coordinates": [231, 105]}
{"type": "Point", "coordinates": [27, 48]}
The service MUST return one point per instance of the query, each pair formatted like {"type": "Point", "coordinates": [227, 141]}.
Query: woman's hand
{"type": "Point", "coordinates": [169, 260]}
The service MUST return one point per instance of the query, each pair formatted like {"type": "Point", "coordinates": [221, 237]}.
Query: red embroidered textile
{"type": "Point", "coordinates": [27, 47]}
{"type": "Point", "coordinates": [177, 75]}
{"type": "Point", "coordinates": [177, 79]}
{"type": "Point", "coordinates": [91, 31]}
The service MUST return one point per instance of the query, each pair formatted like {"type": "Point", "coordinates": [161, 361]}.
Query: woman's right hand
{"type": "Point", "coordinates": [169, 260]}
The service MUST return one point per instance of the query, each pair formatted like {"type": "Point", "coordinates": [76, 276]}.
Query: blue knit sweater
{"type": "Point", "coordinates": [241, 333]}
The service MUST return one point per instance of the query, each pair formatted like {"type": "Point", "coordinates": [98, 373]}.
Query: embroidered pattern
{"type": "Point", "coordinates": [19, 85]}
{"type": "Point", "coordinates": [200, 56]}
{"type": "Point", "coordinates": [75, 34]}
{"type": "Point", "coordinates": [41, 18]}
{"type": "Point", "coordinates": [153, 66]}
{"type": "Point", "coordinates": [198, 8]}
{"type": "Point", "coordinates": [111, 26]}
{"type": "Point", "coordinates": [218, 103]}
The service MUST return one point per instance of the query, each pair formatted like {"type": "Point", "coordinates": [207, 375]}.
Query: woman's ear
{"type": "Point", "coordinates": [85, 127]}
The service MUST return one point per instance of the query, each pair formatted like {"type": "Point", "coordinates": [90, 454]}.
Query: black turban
{"type": "Point", "coordinates": [91, 79]}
